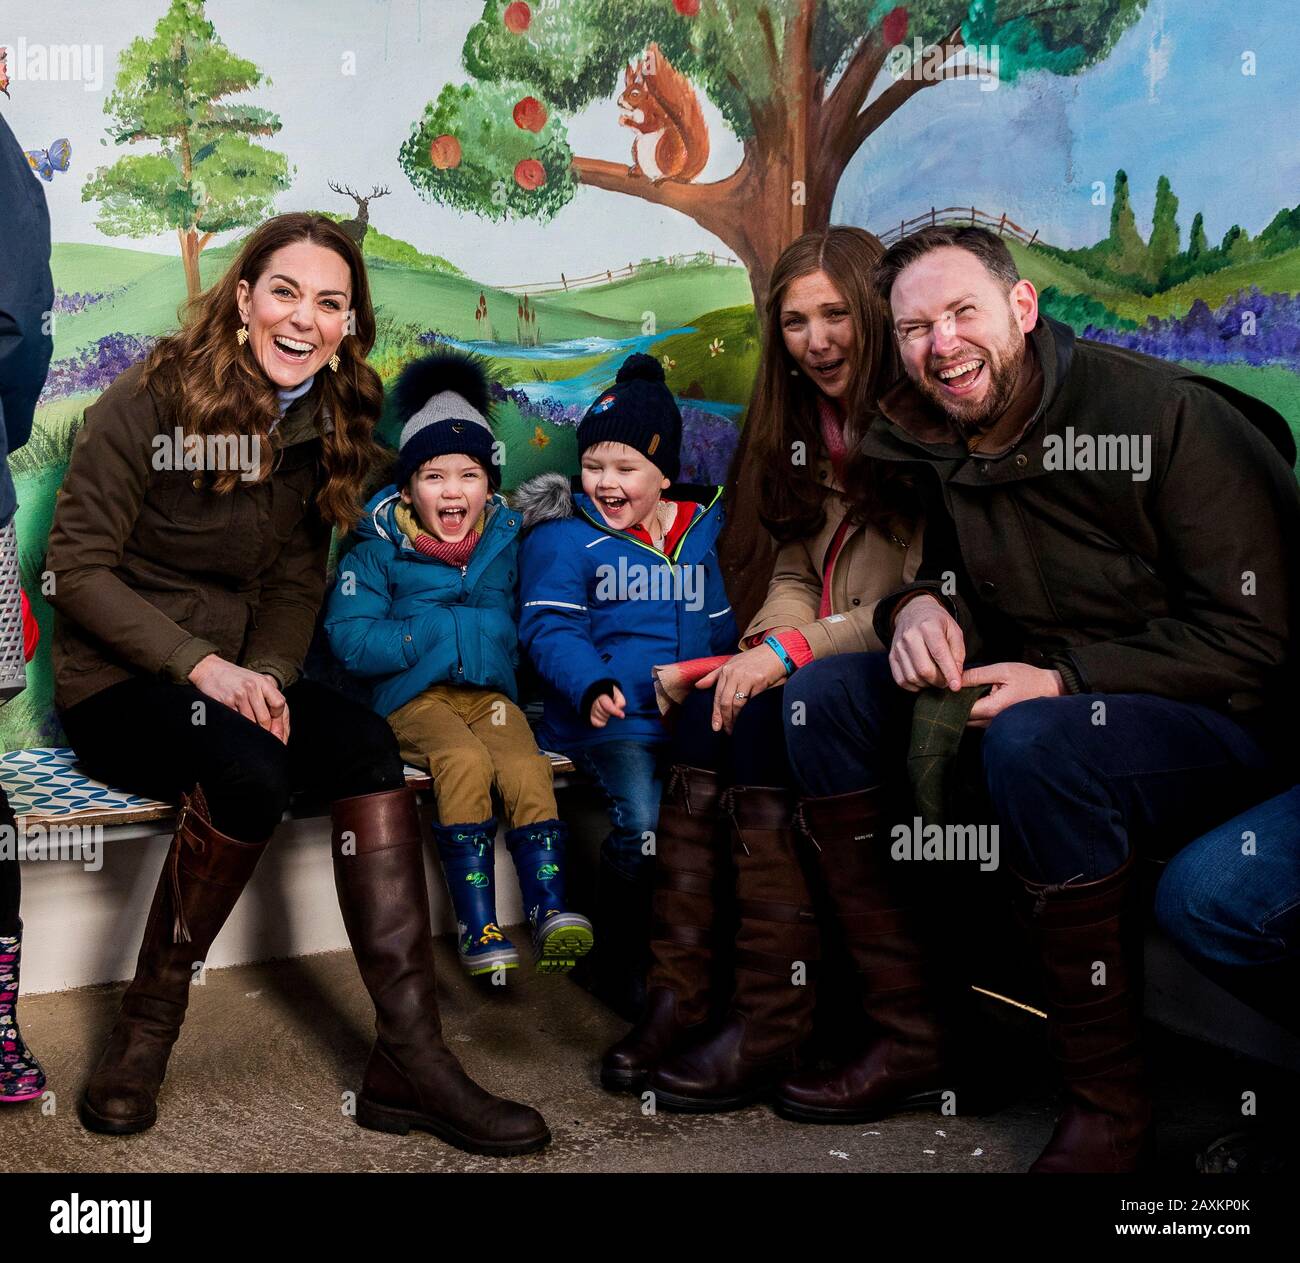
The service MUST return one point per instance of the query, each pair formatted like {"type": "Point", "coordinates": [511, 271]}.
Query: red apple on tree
{"type": "Point", "coordinates": [444, 152]}
{"type": "Point", "coordinates": [687, 8]}
{"type": "Point", "coordinates": [530, 174]}
{"type": "Point", "coordinates": [517, 17]}
{"type": "Point", "coordinates": [530, 114]}
{"type": "Point", "coordinates": [893, 27]}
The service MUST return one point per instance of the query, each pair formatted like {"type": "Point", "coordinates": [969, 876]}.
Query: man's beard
{"type": "Point", "coordinates": [1002, 363]}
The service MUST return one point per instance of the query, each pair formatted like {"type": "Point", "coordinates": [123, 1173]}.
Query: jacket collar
{"type": "Point", "coordinates": [299, 424]}
{"type": "Point", "coordinates": [707, 497]}
{"type": "Point", "coordinates": [380, 520]}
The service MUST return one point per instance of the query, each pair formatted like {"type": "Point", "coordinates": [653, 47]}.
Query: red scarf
{"type": "Point", "coordinates": [832, 427]}
{"type": "Point", "coordinates": [454, 553]}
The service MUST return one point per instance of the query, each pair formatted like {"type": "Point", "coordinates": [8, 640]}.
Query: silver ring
{"type": "Point", "coordinates": [740, 697]}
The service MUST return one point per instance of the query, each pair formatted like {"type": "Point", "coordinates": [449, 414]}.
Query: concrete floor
{"type": "Point", "coordinates": [258, 1077]}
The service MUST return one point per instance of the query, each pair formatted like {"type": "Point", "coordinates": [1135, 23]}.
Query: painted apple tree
{"type": "Point", "coordinates": [801, 84]}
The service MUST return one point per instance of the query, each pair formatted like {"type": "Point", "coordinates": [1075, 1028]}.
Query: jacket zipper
{"type": "Point", "coordinates": [464, 572]}
{"type": "Point", "coordinates": [460, 665]}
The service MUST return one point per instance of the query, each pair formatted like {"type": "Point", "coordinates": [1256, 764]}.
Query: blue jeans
{"type": "Point", "coordinates": [1225, 906]}
{"type": "Point", "coordinates": [630, 776]}
{"type": "Point", "coordinates": [1070, 794]}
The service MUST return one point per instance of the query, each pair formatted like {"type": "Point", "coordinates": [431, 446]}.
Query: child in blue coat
{"type": "Point", "coordinates": [425, 605]}
{"type": "Point", "coordinates": [615, 579]}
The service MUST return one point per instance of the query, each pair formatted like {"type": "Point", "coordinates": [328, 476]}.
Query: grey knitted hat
{"type": "Point", "coordinates": [442, 401]}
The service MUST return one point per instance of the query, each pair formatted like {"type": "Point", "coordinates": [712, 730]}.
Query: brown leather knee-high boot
{"type": "Point", "coordinates": [1090, 954]}
{"type": "Point", "coordinates": [881, 919]}
{"type": "Point", "coordinates": [777, 949]}
{"type": "Point", "coordinates": [689, 849]}
{"type": "Point", "coordinates": [200, 883]}
{"type": "Point", "coordinates": [412, 1079]}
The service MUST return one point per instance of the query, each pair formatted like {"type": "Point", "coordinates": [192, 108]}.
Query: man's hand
{"type": "Point", "coordinates": [1012, 682]}
{"type": "Point", "coordinates": [253, 695]}
{"type": "Point", "coordinates": [279, 718]}
{"type": "Point", "coordinates": [607, 707]}
{"type": "Point", "coordinates": [928, 648]}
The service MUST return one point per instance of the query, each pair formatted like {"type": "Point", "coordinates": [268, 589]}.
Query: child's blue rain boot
{"type": "Point", "coordinates": [560, 937]}
{"type": "Point", "coordinates": [468, 856]}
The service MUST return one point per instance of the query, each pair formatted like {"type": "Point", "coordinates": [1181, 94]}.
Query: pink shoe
{"type": "Point", "coordinates": [21, 1076]}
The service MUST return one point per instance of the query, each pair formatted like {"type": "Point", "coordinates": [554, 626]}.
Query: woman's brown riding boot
{"type": "Point", "coordinates": [1091, 960]}
{"type": "Point", "coordinates": [411, 1079]}
{"type": "Point", "coordinates": [688, 853]}
{"type": "Point", "coordinates": [881, 922]}
{"type": "Point", "coordinates": [777, 947]}
{"type": "Point", "coordinates": [200, 883]}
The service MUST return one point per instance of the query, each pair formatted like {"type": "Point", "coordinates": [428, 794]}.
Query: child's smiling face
{"type": "Point", "coordinates": [623, 484]}
{"type": "Point", "coordinates": [448, 494]}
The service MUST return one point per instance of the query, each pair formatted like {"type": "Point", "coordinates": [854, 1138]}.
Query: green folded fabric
{"type": "Point", "coordinates": [938, 725]}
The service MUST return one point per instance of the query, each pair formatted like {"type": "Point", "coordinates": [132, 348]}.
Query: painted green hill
{"type": "Point", "coordinates": [672, 293]}
{"type": "Point", "coordinates": [148, 289]}
{"type": "Point", "coordinates": [380, 250]}
{"type": "Point", "coordinates": [1279, 274]}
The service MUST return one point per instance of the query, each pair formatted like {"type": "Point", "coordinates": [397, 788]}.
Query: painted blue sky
{"type": "Point", "coordinates": [1170, 99]}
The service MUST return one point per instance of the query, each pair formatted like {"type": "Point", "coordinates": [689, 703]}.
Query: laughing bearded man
{"type": "Point", "coordinates": [1134, 619]}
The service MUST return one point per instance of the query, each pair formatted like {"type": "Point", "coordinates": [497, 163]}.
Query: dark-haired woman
{"type": "Point", "coordinates": [846, 536]}
{"type": "Point", "coordinates": [189, 552]}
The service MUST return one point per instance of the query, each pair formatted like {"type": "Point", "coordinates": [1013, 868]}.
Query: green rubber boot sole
{"type": "Point", "coordinates": [562, 948]}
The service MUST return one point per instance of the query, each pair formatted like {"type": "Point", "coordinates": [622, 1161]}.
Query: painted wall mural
{"type": "Point", "coordinates": [559, 183]}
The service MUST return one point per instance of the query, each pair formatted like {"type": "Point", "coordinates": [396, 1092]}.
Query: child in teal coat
{"type": "Point", "coordinates": [426, 606]}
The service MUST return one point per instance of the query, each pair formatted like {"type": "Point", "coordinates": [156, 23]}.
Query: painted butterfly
{"type": "Point", "coordinates": [45, 162]}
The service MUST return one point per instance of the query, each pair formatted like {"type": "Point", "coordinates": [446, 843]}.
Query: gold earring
{"type": "Point", "coordinates": [334, 362]}
{"type": "Point", "coordinates": [242, 336]}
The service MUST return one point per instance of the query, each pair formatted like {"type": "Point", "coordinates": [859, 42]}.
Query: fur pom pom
{"type": "Point", "coordinates": [421, 379]}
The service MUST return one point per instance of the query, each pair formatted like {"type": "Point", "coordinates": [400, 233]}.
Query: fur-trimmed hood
{"type": "Point", "coordinates": [544, 498]}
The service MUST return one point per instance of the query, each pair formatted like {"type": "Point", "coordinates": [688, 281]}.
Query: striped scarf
{"type": "Point", "coordinates": [454, 553]}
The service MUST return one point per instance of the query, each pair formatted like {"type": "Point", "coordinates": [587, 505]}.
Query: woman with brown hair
{"type": "Point", "coordinates": [846, 535]}
{"type": "Point", "coordinates": [189, 552]}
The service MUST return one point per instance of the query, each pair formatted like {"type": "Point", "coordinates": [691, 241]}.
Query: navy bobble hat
{"type": "Point", "coordinates": [639, 410]}
{"type": "Point", "coordinates": [442, 401]}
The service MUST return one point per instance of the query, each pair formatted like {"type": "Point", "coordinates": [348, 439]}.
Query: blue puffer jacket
{"type": "Point", "coordinates": [414, 621]}
{"type": "Point", "coordinates": [600, 607]}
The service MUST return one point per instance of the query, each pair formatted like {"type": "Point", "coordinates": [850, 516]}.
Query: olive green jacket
{"type": "Point", "coordinates": [153, 570]}
{"type": "Point", "coordinates": [1179, 579]}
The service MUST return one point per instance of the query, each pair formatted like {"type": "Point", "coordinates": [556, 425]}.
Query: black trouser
{"type": "Point", "coordinates": [153, 737]}
{"type": "Point", "coordinates": [754, 753]}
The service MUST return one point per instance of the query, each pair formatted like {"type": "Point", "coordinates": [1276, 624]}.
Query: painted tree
{"type": "Point", "coordinates": [1127, 249]}
{"type": "Point", "coordinates": [801, 83]}
{"type": "Point", "coordinates": [208, 175]}
{"type": "Point", "coordinates": [1165, 233]}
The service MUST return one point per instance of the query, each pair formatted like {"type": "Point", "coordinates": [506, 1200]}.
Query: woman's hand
{"type": "Point", "coordinates": [737, 680]}
{"type": "Point", "coordinates": [607, 707]}
{"type": "Point", "coordinates": [256, 697]}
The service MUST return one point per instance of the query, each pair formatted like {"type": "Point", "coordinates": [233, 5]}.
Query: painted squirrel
{"type": "Point", "coordinates": [673, 139]}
